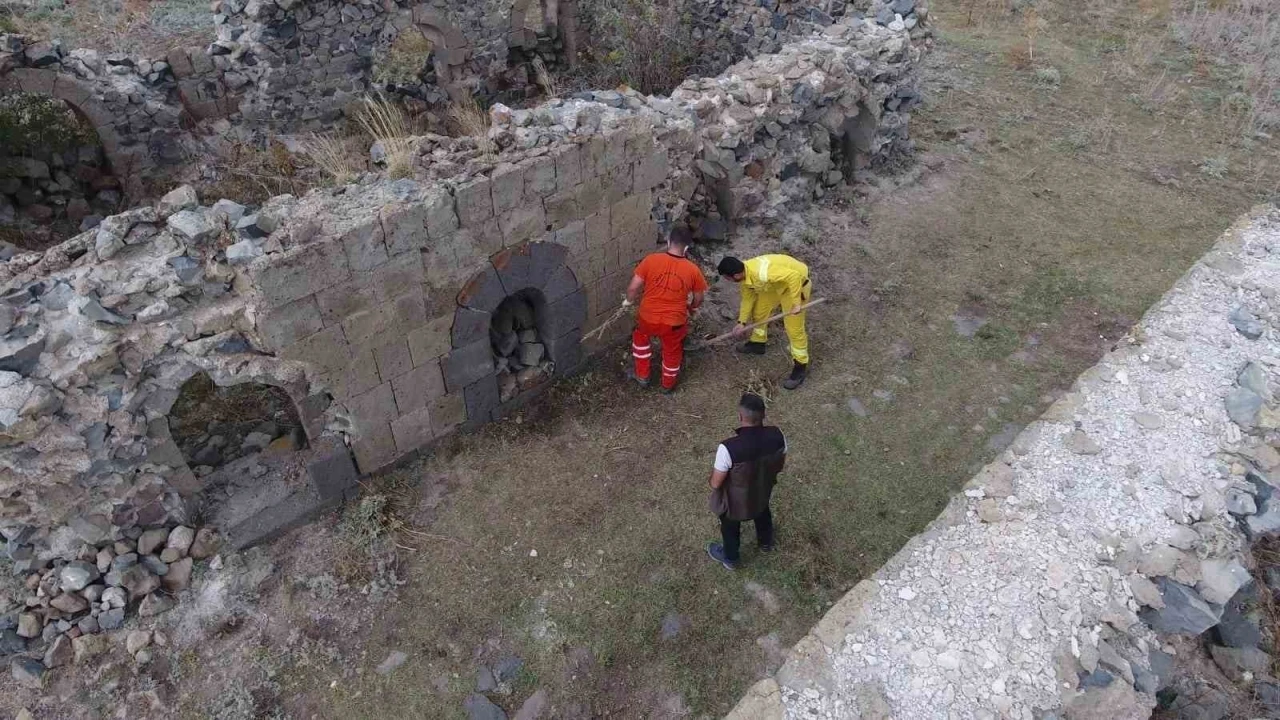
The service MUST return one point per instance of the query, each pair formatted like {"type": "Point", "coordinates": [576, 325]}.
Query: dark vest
{"type": "Point", "coordinates": [757, 454]}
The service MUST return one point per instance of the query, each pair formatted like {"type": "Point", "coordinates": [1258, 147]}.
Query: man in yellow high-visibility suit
{"type": "Point", "coordinates": [769, 282]}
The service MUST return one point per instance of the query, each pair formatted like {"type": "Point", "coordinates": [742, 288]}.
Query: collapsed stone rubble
{"type": "Point", "coordinates": [85, 583]}
{"type": "Point", "coordinates": [1102, 549]}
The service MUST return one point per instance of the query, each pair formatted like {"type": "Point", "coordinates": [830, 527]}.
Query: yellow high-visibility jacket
{"type": "Point", "coordinates": [771, 278]}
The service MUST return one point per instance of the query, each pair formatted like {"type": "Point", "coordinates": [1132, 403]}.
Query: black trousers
{"type": "Point", "coordinates": [731, 533]}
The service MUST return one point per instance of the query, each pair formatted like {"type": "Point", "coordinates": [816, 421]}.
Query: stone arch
{"type": "Point", "coordinates": [124, 165]}
{"type": "Point", "coordinates": [451, 47]}
{"type": "Point", "coordinates": [538, 270]}
{"type": "Point", "coordinates": [857, 139]}
{"type": "Point", "coordinates": [171, 373]}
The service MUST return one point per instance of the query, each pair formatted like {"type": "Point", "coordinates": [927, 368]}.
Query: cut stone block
{"type": "Point", "coordinates": [412, 431]}
{"type": "Point", "coordinates": [290, 323]}
{"type": "Point", "coordinates": [522, 223]}
{"type": "Point", "coordinates": [467, 364]}
{"type": "Point", "coordinates": [430, 341]}
{"type": "Point", "coordinates": [469, 325]}
{"type": "Point", "coordinates": [447, 413]}
{"type": "Point", "coordinates": [482, 398]}
{"type": "Point", "coordinates": [506, 188]}
{"type": "Point", "coordinates": [300, 272]}
{"type": "Point", "coordinates": [483, 292]}
{"type": "Point", "coordinates": [473, 203]}
{"type": "Point", "coordinates": [559, 284]}
{"type": "Point", "coordinates": [513, 269]}
{"type": "Point", "coordinates": [418, 387]}
{"type": "Point", "coordinates": [565, 314]}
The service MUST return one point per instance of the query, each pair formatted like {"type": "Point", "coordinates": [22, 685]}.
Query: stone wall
{"type": "Point", "coordinates": [369, 304]}
{"type": "Point", "coordinates": [309, 60]}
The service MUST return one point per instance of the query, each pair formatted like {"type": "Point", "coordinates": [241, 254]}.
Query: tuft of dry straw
{"type": "Point", "coordinates": [471, 120]}
{"type": "Point", "coordinates": [617, 315]}
{"type": "Point", "coordinates": [545, 80]}
{"type": "Point", "coordinates": [385, 122]}
{"type": "Point", "coordinates": [330, 154]}
{"type": "Point", "coordinates": [762, 386]}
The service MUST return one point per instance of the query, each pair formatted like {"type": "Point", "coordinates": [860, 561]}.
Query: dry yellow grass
{"type": "Point", "coordinates": [470, 120]}
{"type": "Point", "coordinates": [386, 123]}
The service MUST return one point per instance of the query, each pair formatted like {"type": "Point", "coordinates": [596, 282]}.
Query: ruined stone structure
{"type": "Point", "coordinates": [295, 65]}
{"type": "Point", "coordinates": [371, 305]}
{"type": "Point", "coordinates": [134, 105]}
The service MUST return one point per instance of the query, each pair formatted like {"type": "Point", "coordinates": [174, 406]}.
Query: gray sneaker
{"type": "Point", "coordinates": [716, 551]}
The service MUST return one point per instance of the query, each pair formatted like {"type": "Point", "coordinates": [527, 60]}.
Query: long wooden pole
{"type": "Point", "coordinates": [752, 326]}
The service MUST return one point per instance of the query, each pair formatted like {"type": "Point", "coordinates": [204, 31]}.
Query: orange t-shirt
{"type": "Point", "coordinates": [668, 280]}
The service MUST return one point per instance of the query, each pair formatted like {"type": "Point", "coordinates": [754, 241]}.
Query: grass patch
{"type": "Point", "coordinates": [135, 27]}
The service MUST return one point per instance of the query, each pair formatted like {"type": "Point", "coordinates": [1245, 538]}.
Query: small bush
{"type": "Point", "coordinates": [1048, 77]}
{"type": "Point", "coordinates": [1214, 167]}
{"type": "Point", "coordinates": [250, 174]}
{"type": "Point", "coordinates": [32, 125]}
{"type": "Point", "coordinates": [405, 60]}
{"type": "Point", "coordinates": [644, 44]}
{"type": "Point", "coordinates": [368, 521]}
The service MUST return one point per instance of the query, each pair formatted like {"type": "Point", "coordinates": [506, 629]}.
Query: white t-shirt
{"type": "Point", "coordinates": [723, 461]}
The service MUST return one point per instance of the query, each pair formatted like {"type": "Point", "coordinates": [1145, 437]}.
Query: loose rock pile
{"type": "Point", "coordinates": [73, 187]}
{"type": "Point", "coordinates": [84, 580]}
{"type": "Point", "coordinates": [521, 357]}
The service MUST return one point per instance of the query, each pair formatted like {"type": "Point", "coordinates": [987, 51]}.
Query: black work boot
{"type": "Point", "coordinates": [752, 348]}
{"type": "Point", "coordinates": [796, 379]}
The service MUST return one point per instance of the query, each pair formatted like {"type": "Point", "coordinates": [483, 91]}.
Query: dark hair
{"type": "Point", "coordinates": [680, 236]}
{"type": "Point", "coordinates": [752, 406]}
{"type": "Point", "coordinates": [730, 266]}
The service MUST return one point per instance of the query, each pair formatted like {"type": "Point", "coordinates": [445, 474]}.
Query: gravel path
{"type": "Point", "coordinates": [1027, 579]}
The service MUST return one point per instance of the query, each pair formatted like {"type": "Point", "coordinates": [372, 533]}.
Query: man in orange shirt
{"type": "Point", "coordinates": [672, 286]}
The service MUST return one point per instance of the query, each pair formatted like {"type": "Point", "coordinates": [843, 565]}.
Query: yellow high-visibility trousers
{"type": "Point", "coordinates": [767, 303]}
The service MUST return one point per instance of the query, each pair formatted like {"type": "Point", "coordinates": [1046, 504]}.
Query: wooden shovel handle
{"type": "Point", "coordinates": [752, 326]}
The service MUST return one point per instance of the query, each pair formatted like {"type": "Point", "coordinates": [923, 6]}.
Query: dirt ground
{"type": "Point", "coordinates": [1036, 223]}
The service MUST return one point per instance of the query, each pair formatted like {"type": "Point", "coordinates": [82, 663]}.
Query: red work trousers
{"type": "Point", "coordinates": [672, 349]}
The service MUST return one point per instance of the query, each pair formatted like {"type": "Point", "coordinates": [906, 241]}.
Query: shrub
{"type": "Point", "coordinates": [38, 125]}
{"type": "Point", "coordinates": [645, 44]}
{"type": "Point", "coordinates": [1048, 77]}
{"type": "Point", "coordinates": [405, 60]}
{"type": "Point", "coordinates": [1214, 167]}
{"type": "Point", "coordinates": [250, 174]}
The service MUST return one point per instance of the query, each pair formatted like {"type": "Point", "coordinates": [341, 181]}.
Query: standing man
{"type": "Point", "coordinates": [746, 468]}
{"type": "Point", "coordinates": [668, 286]}
{"type": "Point", "coordinates": [770, 281]}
